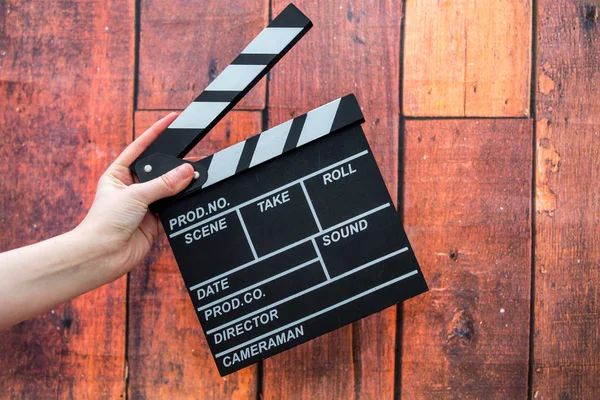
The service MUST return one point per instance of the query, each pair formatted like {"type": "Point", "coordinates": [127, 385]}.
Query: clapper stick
{"type": "Point", "coordinates": [230, 86]}
{"type": "Point", "coordinates": [329, 118]}
{"type": "Point", "coordinates": [296, 132]}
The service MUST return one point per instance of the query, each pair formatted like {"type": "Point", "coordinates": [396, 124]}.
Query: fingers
{"type": "Point", "coordinates": [165, 185]}
{"type": "Point", "coordinates": [133, 151]}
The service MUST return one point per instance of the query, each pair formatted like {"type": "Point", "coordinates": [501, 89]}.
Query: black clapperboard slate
{"type": "Point", "coordinates": [287, 235]}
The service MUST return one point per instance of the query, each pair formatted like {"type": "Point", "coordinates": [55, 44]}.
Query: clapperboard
{"type": "Point", "coordinates": [287, 235]}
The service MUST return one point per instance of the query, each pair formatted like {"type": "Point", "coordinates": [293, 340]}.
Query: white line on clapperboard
{"type": "Point", "coordinates": [320, 312]}
{"type": "Point", "coordinates": [188, 228]}
{"type": "Point", "coordinates": [313, 288]}
{"type": "Point", "coordinates": [314, 214]}
{"type": "Point", "coordinates": [286, 248]}
{"type": "Point", "coordinates": [272, 278]}
{"type": "Point", "coordinates": [239, 214]}
{"type": "Point", "coordinates": [312, 209]}
{"type": "Point", "coordinates": [320, 259]}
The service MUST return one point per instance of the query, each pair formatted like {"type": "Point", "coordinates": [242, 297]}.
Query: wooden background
{"type": "Point", "coordinates": [484, 116]}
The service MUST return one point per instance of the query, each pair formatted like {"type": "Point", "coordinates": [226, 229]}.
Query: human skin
{"type": "Point", "coordinates": [113, 238]}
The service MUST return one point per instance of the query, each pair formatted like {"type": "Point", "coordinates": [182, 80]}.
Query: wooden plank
{"type": "Point", "coordinates": [66, 80]}
{"type": "Point", "coordinates": [467, 211]}
{"type": "Point", "coordinates": [354, 47]}
{"type": "Point", "coordinates": [566, 340]}
{"type": "Point", "coordinates": [467, 58]}
{"type": "Point", "coordinates": [168, 354]}
{"type": "Point", "coordinates": [184, 45]}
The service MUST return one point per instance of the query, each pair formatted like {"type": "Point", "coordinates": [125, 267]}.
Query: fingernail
{"type": "Point", "coordinates": [184, 170]}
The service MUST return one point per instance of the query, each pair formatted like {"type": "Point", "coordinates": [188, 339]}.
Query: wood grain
{"type": "Point", "coordinates": [184, 45]}
{"type": "Point", "coordinates": [66, 84]}
{"type": "Point", "coordinates": [467, 58]}
{"type": "Point", "coordinates": [467, 212]}
{"type": "Point", "coordinates": [353, 47]}
{"type": "Point", "coordinates": [168, 354]}
{"type": "Point", "coordinates": [566, 340]}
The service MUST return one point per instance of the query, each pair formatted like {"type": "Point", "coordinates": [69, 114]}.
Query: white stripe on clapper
{"type": "Point", "coordinates": [270, 143]}
{"type": "Point", "coordinates": [224, 163]}
{"type": "Point", "coordinates": [235, 77]}
{"type": "Point", "coordinates": [318, 122]}
{"type": "Point", "coordinates": [272, 40]}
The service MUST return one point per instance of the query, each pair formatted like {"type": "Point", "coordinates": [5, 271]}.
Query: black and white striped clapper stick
{"type": "Point", "coordinates": [296, 132]}
{"type": "Point", "coordinates": [230, 86]}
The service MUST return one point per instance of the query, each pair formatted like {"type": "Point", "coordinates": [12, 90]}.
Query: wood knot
{"type": "Point", "coordinates": [461, 327]}
{"type": "Point", "coordinates": [66, 322]}
{"type": "Point", "coordinates": [453, 255]}
{"type": "Point", "coordinates": [591, 13]}
{"type": "Point", "coordinates": [589, 16]}
{"type": "Point", "coordinates": [213, 68]}
{"type": "Point", "coordinates": [358, 40]}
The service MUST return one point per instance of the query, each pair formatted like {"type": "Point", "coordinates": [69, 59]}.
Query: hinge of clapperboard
{"type": "Point", "coordinates": [223, 93]}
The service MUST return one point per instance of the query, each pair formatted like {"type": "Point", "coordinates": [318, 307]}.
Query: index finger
{"type": "Point", "coordinates": [133, 151]}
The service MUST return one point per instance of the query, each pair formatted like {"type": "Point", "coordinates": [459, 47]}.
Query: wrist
{"type": "Point", "coordinates": [79, 245]}
{"type": "Point", "coordinates": [89, 256]}
{"type": "Point", "coordinates": [35, 278]}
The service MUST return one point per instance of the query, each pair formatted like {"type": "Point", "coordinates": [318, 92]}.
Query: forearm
{"type": "Point", "coordinates": [36, 278]}
{"type": "Point", "coordinates": [115, 236]}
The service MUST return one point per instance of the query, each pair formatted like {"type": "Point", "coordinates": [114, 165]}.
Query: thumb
{"type": "Point", "coordinates": [166, 185]}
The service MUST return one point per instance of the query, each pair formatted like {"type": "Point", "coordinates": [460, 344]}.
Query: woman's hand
{"type": "Point", "coordinates": [119, 221]}
{"type": "Point", "coordinates": [116, 234]}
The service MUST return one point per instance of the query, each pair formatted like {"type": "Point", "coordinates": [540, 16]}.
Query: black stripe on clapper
{"type": "Point", "coordinates": [205, 162]}
{"type": "Point", "coordinates": [348, 112]}
{"type": "Point", "coordinates": [253, 59]}
{"type": "Point", "coordinates": [212, 96]}
{"type": "Point", "coordinates": [247, 153]}
{"type": "Point", "coordinates": [295, 130]}
{"type": "Point", "coordinates": [290, 17]}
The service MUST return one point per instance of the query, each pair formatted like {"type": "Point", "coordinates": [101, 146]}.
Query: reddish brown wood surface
{"type": "Point", "coordinates": [184, 45]}
{"type": "Point", "coordinates": [467, 58]}
{"type": "Point", "coordinates": [467, 212]}
{"type": "Point", "coordinates": [67, 98]}
{"type": "Point", "coordinates": [168, 354]}
{"type": "Point", "coordinates": [354, 48]}
{"type": "Point", "coordinates": [566, 340]}
{"type": "Point", "coordinates": [66, 89]}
